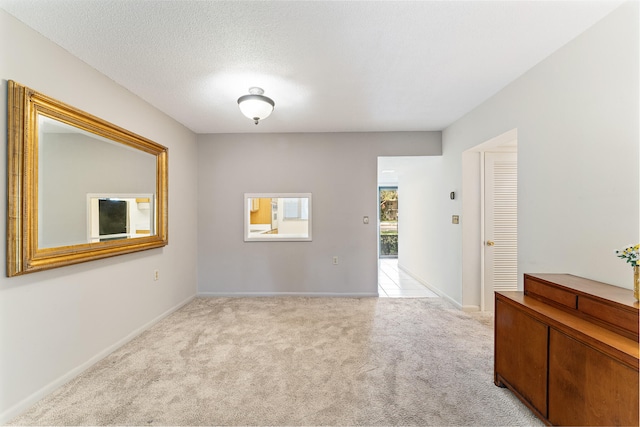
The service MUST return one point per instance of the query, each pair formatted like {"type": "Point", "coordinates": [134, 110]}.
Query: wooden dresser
{"type": "Point", "coordinates": [568, 348]}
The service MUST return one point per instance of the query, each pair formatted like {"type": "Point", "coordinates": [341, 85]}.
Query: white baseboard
{"type": "Point", "coordinates": [26, 403]}
{"type": "Point", "coordinates": [470, 308]}
{"type": "Point", "coordinates": [432, 288]}
{"type": "Point", "coordinates": [287, 294]}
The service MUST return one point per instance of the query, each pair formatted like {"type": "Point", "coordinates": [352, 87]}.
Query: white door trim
{"type": "Point", "coordinates": [472, 243]}
{"type": "Point", "coordinates": [482, 228]}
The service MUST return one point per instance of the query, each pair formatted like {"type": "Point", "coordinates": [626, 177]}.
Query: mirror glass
{"type": "Point", "coordinates": [79, 188]}
{"type": "Point", "coordinates": [283, 217]}
{"type": "Point", "coordinates": [109, 169]}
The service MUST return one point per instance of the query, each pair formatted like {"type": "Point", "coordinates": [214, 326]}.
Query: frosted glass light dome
{"type": "Point", "coordinates": [256, 106]}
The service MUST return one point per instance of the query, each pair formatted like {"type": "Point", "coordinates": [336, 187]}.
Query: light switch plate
{"type": "Point", "coordinates": [455, 219]}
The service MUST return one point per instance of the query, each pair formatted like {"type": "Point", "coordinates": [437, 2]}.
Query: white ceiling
{"type": "Point", "coordinates": [330, 66]}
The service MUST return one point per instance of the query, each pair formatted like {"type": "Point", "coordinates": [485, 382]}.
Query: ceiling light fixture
{"type": "Point", "coordinates": [256, 106]}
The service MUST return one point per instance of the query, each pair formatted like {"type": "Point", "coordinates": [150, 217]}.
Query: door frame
{"type": "Point", "coordinates": [473, 285]}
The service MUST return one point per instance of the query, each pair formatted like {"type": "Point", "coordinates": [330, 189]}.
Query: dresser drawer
{"type": "Point", "coordinates": [610, 314]}
{"type": "Point", "coordinates": [535, 288]}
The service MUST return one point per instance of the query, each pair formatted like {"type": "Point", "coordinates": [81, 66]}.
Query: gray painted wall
{"type": "Point", "coordinates": [339, 169]}
{"type": "Point", "coordinates": [55, 323]}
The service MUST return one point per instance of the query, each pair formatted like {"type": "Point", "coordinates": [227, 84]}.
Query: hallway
{"type": "Point", "coordinates": [393, 283]}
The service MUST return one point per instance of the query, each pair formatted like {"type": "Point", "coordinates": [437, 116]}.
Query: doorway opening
{"type": "Point", "coordinates": [489, 243]}
{"type": "Point", "coordinates": [404, 176]}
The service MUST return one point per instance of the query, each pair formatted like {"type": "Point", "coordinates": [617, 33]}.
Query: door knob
{"type": "Point", "coordinates": [490, 243]}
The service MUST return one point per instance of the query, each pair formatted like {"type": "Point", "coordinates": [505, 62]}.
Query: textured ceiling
{"type": "Point", "coordinates": [330, 66]}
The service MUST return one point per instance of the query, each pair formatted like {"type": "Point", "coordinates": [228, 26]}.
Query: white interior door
{"type": "Point", "coordinates": [500, 225]}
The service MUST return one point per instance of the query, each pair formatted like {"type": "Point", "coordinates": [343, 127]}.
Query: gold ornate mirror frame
{"type": "Point", "coordinates": [25, 107]}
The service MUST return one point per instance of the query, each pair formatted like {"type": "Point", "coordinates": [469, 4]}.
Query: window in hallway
{"type": "Point", "coordinates": [388, 235]}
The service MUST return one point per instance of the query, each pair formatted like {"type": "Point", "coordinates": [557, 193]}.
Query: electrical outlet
{"type": "Point", "coordinates": [335, 260]}
{"type": "Point", "coordinates": [156, 275]}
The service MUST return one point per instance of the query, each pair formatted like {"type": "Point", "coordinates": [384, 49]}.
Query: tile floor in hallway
{"type": "Point", "coordinates": [394, 283]}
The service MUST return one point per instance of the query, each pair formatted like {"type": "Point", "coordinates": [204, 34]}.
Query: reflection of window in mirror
{"type": "Point", "coordinates": [282, 217]}
{"type": "Point", "coordinates": [296, 209]}
{"type": "Point", "coordinates": [113, 217]}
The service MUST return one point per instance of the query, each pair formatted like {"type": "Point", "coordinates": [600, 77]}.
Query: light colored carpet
{"type": "Point", "coordinates": [295, 361]}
